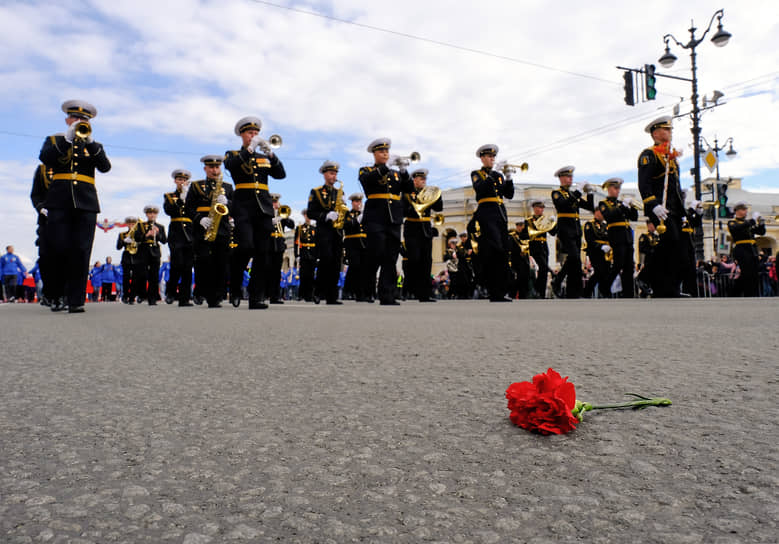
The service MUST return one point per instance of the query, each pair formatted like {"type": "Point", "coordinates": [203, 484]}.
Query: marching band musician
{"type": "Point", "coordinates": [692, 221]}
{"type": "Point", "coordinates": [491, 188]}
{"type": "Point", "coordinates": [126, 242]}
{"type": "Point", "coordinates": [519, 259]}
{"type": "Point", "coordinates": [211, 257]}
{"type": "Point", "coordinates": [40, 188]}
{"type": "Point", "coordinates": [597, 239]}
{"type": "Point", "coordinates": [618, 215]}
{"type": "Point", "coordinates": [305, 256]}
{"type": "Point", "coordinates": [567, 201]}
{"type": "Point", "coordinates": [179, 285]}
{"type": "Point", "coordinates": [71, 203]}
{"type": "Point", "coordinates": [323, 206]}
{"type": "Point", "coordinates": [658, 182]}
{"type": "Point", "coordinates": [418, 238]}
{"type": "Point", "coordinates": [383, 216]}
{"type": "Point", "coordinates": [742, 232]}
{"type": "Point", "coordinates": [252, 209]}
{"type": "Point", "coordinates": [149, 236]}
{"type": "Point", "coordinates": [277, 247]}
{"type": "Point", "coordinates": [539, 249]}
{"type": "Point", "coordinates": [647, 246]}
{"type": "Point", "coordinates": [357, 280]}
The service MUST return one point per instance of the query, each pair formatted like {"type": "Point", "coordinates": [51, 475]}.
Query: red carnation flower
{"type": "Point", "coordinates": [545, 405]}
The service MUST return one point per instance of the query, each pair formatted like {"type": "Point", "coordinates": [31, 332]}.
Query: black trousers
{"type": "Point", "coordinates": [179, 284]}
{"type": "Point", "coordinates": [307, 267]}
{"type": "Point", "coordinates": [106, 292]}
{"type": "Point", "coordinates": [71, 233]}
{"type": "Point", "coordinates": [211, 260]}
{"type": "Point", "coordinates": [328, 269]}
{"type": "Point", "coordinates": [747, 283]}
{"type": "Point", "coordinates": [44, 256]}
{"type": "Point", "coordinates": [383, 251]}
{"type": "Point", "coordinates": [419, 251]}
{"type": "Point", "coordinates": [669, 258]}
{"type": "Point", "coordinates": [355, 283]}
{"type": "Point", "coordinates": [253, 233]}
{"type": "Point", "coordinates": [623, 267]}
{"type": "Point", "coordinates": [601, 274]}
{"type": "Point", "coordinates": [540, 254]}
{"type": "Point", "coordinates": [571, 271]}
{"type": "Point", "coordinates": [521, 269]}
{"type": "Point", "coordinates": [149, 279]}
{"type": "Point", "coordinates": [273, 286]}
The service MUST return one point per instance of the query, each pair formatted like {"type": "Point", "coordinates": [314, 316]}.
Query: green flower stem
{"type": "Point", "coordinates": [639, 404]}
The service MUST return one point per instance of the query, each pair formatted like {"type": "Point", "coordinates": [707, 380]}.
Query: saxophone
{"type": "Point", "coordinates": [216, 212]}
{"type": "Point", "coordinates": [340, 206]}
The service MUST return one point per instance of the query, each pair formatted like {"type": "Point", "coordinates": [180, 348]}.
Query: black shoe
{"type": "Point", "coordinates": [168, 300]}
{"type": "Point", "coordinates": [276, 301]}
{"type": "Point", "coordinates": [198, 300]}
{"type": "Point", "coordinates": [257, 305]}
{"type": "Point", "coordinates": [185, 303]}
{"type": "Point", "coordinates": [390, 302]}
{"type": "Point", "coordinates": [152, 303]}
{"type": "Point", "coordinates": [235, 301]}
{"type": "Point", "coordinates": [316, 299]}
{"type": "Point", "coordinates": [45, 301]}
{"type": "Point", "coordinates": [76, 310]}
{"type": "Point", "coordinates": [336, 302]}
{"type": "Point", "coordinates": [427, 300]}
{"type": "Point", "coordinates": [214, 304]}
{"type": "Point", "coordinates": [501, 299]}
{"type": "Point", "coordinates": [556, 291]}
{"type": "Point", "coordinates": [57, 305]}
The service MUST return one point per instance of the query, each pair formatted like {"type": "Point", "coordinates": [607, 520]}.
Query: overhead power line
{"type": "Point", "coordinates": [435, 42]}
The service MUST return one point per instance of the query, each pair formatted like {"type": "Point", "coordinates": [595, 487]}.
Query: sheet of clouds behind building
{"type": "Point", "coordinates": [171, 78]}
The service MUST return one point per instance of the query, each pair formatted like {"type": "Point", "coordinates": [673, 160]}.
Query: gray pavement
{"type": "Point", "coordinates": [363, 423]}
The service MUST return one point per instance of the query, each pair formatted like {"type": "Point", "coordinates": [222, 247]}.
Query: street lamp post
{"type": "Point", "coordinates": [720, 39]}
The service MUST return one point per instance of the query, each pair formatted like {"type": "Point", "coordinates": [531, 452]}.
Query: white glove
{"type": "Point", "coordinates": [71, 133]}
{"type": "Point", "coordinates": [573, 187]}
{"type": "Point", "coordinates": [331, 216]}
{"type": "Point", "coordinates": [756, 216]}
{"type": "Point", "coordinates": [90, 139]}
{"type": "Point", "coordinates": [221, 199]}
{"type": "Point", "coordinates": [206, 222]}
{"type": "Point", "coordinates": [44, 212]}
{"type": "Point", "coordinates": [128, 240]}
{"type": "Point", "coordinates": [695, 204]}
{"type": "Point", "coordinates": [275, 220]}
{"type": "Point", "coordinates": [359, 218]}
{"type": "Point", "coordinates": [660, 212]}
{"type": "Point", "coordinates": [627, 202]}
{"type": "Point", "coordinates": [605, 249]}
{"type": "Point", "coordinates": [264, 146]}
{"type": "Point", "coordinates": [254, 142]}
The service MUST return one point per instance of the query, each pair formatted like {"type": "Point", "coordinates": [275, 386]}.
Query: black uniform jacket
{"type": "Point", "coordinates": [383, 186]}
{"type": "Point", "coordinates": [180, 229]}
{"type": "Point", "coordinates": [198, 206]}
{"type": "Point", "coordinates": [651, 182]}
{"type": "Point", "coordinates": [569, 229]}
{"type": "Point", "coordinates": [491, 188]}
{"type": "Point", "coordinates": [596, 236]}
{"type": "Point", "coordinates": [73, 176]}
{"type": "Point", "coordinates": [277, 242]}
{"type": "Point", "coordinates": [618, 217]}
{"type": "Point", "coordinates": [415, 225]}
{"type": "Point", "coordinates": [321, 201]}
{"type": "Point", "coordinates": [150, 246]}
{"type": "Point", "coordinates": [305, 242]}
{"type": "Point", "coordinates": [250, 173]}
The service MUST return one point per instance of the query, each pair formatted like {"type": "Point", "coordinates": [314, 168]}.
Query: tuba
{"type": "Point", "coordinates": [340, 207]}
{"type": "Point", "coordinates": [426, 197]}
{"type": "Point", "coordinates": [217, 211]}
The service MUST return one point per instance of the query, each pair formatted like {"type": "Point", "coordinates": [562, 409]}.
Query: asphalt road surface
{"type": "Point", "coordinates": [362, 423]}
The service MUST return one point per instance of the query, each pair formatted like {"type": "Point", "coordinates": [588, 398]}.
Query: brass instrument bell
{"type": "Point", "coordinates": [83, 130]}
{"type": "Point", "coordinates": [275, 141]}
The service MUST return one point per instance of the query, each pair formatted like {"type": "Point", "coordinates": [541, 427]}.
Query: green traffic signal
{"type": "Point", "coordinates": [649, 81]}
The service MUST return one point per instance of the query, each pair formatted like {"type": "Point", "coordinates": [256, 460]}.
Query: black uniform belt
{"type": "Point", "coordinates": [602, 242]}
{"type": "Point", "coordinates": [385, 196]}
{"type": "Point", "coordinates": [687, 230]}
{"type": "Point", "coordinates": [180, 220]}
{"type": "Point", "coordinates": [745, 242]}
{"type": "Point", "coordinates": [251, 186]}
{"type": "Point", "coordinates": [307, 245]}
{"type": "Point", "coordinates": [277, 234]}
{"type": "Point", "coordinates": [203, 209]}
{"type": "Point", "coordinates": [361, 235]}
{"type": "Point", "coordinates": [568, 215]}
{"type": "Point", "coordinates": [496, 199]}
{"type": "Point", "coordinates": [418, 219]}
{"type": "Point", "coordinates": [618, 224]}
{"type": "Point", "coordinates": [74, 177]}
{"type": "Point", "coordinates": [542, 239]}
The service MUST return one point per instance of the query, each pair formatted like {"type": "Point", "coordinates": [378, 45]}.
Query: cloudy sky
{"type": "Point", "coordinates": [171, 78]}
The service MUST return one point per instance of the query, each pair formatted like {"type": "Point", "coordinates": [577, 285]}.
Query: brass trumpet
{"type": "Point", "coordinates": [275, 141]}
{"type": "Point", "coordinates": [588, 188]}
{"type": "Point", "coordinates": [83, 130]}
{"type": "Point", "coordinates": [507, 168]}
{"type": "Point", "coordinates": [636, 205]}
{"type": "Point", "coordinates": [413, 158]}
{"type": "Point", "coordinates": [284, 211]}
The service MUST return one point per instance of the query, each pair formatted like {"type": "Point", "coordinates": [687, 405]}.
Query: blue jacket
{"type": "Point", "coordinates": [118, 274]}
{"type": "Point", "coordinates": [95, 277]}
{"type": "Point", "coordinates": [108, 273]}
{"type": "Point", "coordinates": [164, 272]}
{"type": "Point", "coordinates": [11, 265]}
{"type": "Point", "coordinates": [36, 272]}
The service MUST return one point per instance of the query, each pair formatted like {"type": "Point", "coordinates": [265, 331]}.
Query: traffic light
{"type": "Point", "coordinates": [649, 81]}
{"type": "Point", "coordinates": [629, 95]}
{"type": "Point", "coordinates": [722, 198]}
